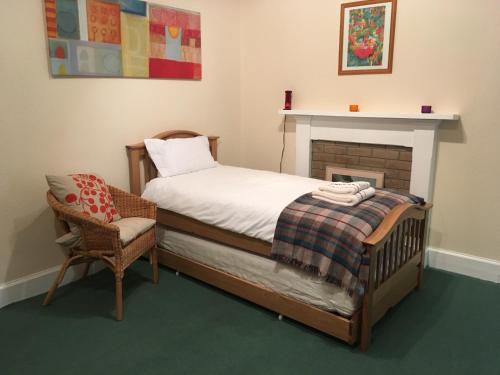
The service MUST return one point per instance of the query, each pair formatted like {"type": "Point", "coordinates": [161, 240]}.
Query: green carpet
{"type": "Point", "coordinates": [181, 326]}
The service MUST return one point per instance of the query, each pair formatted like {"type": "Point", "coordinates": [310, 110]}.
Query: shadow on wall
{"type": "Point", "coordinates": [449, 132]}
{"type": "Point", "coordinates": [33, 245]}
{"type": "Point", "coordinates": [287, 128]}
{"type": "Point", "coordinates": [452, 132]}
{"type": "Point", "coordinates": [290, 124]}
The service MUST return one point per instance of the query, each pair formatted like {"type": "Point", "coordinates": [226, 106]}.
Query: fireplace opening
{"type": "Point", "coordinates": [359, 159]}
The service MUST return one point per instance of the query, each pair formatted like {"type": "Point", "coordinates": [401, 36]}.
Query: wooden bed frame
{"type": "Point", "coordinates": [396, 251]}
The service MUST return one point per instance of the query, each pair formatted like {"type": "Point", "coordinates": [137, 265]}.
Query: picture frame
{"type": "Point", "coordinates": [367, 30]}
{"type": "Point", "coordinates": [122, 39]}
{"type": "Point", "coordinates": [338, 174]}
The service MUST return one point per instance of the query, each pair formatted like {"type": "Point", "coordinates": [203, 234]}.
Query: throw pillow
{"type": "Point", "coordinates": [85, 193]}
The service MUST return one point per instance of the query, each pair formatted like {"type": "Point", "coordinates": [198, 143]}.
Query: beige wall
{"type": "Point", "coordinates": [68, 125]}
{"type": "Point", "coordinates": [446, 54]}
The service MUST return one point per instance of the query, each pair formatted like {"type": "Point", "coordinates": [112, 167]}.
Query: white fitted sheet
{"type": "Point", "coordinates": [241, 200]}
{"type": "Point", "coordinates": [280, 278]}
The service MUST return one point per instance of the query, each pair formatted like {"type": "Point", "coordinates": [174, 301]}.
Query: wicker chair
{"type": "Point", "coordinates": [101, 241]}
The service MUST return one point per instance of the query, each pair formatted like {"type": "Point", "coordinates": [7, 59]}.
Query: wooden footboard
{"type": "Point", "coordinates": [397, 259]}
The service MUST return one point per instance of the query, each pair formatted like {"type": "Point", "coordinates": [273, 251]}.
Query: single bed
{"type": "Point", "coordinates": [210, 233]}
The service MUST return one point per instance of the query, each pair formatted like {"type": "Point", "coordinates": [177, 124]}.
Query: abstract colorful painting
{"type": "Point", "coordinates": [103, 20]}
{"type": "Point", "coordinates": [135, 54]}
{"type": "Point", "coordinates": [175, 43]}
{"type": "Point", "coordinates": [367, 37]}
{"type": "Point", "coordinates": [67, 19]}
{"type": "Point", "coordinates": [122, 38]}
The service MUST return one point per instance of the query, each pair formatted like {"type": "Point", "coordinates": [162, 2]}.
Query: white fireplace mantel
{"type": "Point", "coordinates": [418, 131]}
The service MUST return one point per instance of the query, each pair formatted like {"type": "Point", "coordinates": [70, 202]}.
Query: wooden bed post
{"type": "Point", "coordinates": [134, 159]}
{"type": "Point", "coordinates": [367, 308]}
{"type": "Point", "coordinates": [422, 246]}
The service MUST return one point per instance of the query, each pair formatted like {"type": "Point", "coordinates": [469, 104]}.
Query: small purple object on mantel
{"type": "Point", "coordinates": [426, 109]}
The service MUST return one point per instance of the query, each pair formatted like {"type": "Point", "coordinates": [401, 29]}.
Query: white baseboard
{"type": "Point", "coordinates": [464, 264]}
{"type": "Point", "coordinates": [40, 282]}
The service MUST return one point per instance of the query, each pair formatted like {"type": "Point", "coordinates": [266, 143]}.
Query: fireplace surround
{"type": "Point", "coordinates": [415, 131]}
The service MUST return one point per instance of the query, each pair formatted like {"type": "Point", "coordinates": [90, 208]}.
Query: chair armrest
{"type": "Point", "coordinates": [96, 235]}
{"type": "Point", "coordinates": [101, 237]}
{"type": "Point", "coordinates": [130, 205]}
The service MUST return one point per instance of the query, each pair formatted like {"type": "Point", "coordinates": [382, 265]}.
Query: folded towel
{"type": "Point", "coordinates": [344, 199]}
{"type": "Point", "coordinates": [345, 187]}
{"type": "Point", "coordinates": [347, 198]}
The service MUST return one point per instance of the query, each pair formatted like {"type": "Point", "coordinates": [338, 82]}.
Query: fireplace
{"type": "Point", "coordinates": [394, 161]}
{"type": "Point", "coordinates": [417, 132]}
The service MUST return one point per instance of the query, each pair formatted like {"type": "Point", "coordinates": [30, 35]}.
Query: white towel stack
{"type": "Point", "coordinates": [345, 193]}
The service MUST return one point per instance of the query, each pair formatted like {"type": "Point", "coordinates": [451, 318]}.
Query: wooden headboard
{"type": "Point", "coordinates": [137, 153]}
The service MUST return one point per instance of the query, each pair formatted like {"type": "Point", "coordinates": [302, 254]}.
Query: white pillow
{"type": "Point", "coordinates": [180, 155]}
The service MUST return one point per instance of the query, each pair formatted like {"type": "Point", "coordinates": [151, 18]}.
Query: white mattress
{"type": "Point", "coordinates": [268, 273]}
{"type": "Point", "coordinates": [241, 200]}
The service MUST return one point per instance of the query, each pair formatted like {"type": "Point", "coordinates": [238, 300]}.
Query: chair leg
{"type": "Point", "coordinates": [87, 268]}
{"type": "Point", "coordinates": [154, 264]}
{"type": "Point", "coordinates": [118, 296]}
{"type": "Point", "coordinates": [59, 279]}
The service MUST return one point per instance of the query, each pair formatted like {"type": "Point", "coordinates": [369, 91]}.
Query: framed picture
{"type": "Point", "coordinates": [367, 37]}
{"type": "Point", "coordinates": [122, 38]}
{"type": "Point", "coordinates": [337, 174]}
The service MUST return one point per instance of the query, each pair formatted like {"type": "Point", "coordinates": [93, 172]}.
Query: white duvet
{"type": "Point", "coordinates": [241, 200]}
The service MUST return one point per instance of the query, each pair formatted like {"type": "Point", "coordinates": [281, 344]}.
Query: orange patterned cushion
{"type": "Point", "coordinates": [86, 193]}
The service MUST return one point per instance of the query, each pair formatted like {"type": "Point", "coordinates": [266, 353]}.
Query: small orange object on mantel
{"type": "Point", "coordinates": [354, 108]}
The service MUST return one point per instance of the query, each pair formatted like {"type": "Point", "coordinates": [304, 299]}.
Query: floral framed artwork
{"type": "Point", "coordinates": [367, 37]}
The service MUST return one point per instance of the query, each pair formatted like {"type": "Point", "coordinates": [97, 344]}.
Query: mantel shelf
{"type": "Point", "coordinates": [405, 116]}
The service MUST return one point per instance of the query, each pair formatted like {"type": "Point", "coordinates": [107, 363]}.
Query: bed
{"type": "Point", "coordinates": [209, 233]}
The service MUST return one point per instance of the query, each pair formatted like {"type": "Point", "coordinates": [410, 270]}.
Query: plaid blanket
{"type": "Point", "coordinates": [327, 239]}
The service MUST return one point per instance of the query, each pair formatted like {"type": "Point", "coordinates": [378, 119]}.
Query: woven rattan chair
{"type": "Point", "coordinates": [101, 241]}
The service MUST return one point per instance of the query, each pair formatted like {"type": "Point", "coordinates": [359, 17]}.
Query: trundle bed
{"type": "Point", "coordinates": [215, 254]}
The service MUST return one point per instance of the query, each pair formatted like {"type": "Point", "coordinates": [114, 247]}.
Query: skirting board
{"type": "Point", "coordinates": [464, 264]}
{"type": "Point", "coordinates": [40, 282]}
